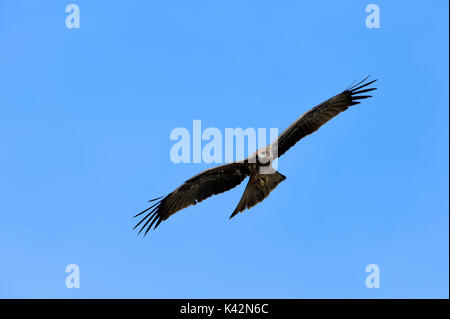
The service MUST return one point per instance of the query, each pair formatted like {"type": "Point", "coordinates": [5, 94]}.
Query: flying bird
{"type": "Point", "coordinates": [262, 177]}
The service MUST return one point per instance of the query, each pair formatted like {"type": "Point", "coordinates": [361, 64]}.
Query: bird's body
{"type": "Point", "coordinates": [262, 177]}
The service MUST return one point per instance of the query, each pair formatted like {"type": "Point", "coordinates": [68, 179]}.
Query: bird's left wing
{"type": "Point", "coordinates": [312, 120]}
{"type": "Point", "coordinates": [210, 182]}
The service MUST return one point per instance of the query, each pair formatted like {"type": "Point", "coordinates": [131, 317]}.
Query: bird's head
{"type": "Point", "coordinates": [264, 156]}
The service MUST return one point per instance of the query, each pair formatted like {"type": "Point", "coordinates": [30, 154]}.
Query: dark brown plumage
{"type": "Point", "coordinates": [225, 177]}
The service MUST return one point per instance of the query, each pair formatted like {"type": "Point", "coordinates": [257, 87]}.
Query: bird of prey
{"type": "Point", "coordinates": [261, 182]}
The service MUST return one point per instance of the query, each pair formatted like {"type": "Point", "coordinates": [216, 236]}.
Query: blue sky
{"type": "Point", "coordinates": [85, 118]}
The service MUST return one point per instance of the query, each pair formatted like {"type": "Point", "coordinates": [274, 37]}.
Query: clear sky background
{"type": "Point", "coordinates": [85, 118]}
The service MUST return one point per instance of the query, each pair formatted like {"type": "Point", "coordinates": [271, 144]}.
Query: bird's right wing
{"type": "Point", "coordinates": [210, 182]}
{"type": "Point", "coordinates": [312, 120]}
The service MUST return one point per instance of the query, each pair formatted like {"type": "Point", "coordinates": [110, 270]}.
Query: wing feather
{"type": "Point", "coordinates": [312, 120]}
{"type": "Point", "coordinates": [206, 184]}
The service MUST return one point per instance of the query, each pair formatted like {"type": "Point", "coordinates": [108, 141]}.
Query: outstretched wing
{"type": "Point", "coordinates": [210, 182]}
{"type": "Point", "coordinates": [312, 120]}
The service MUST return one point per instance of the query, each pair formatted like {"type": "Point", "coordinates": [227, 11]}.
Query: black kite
{"type": "Point", "coordinates": [225, 177]}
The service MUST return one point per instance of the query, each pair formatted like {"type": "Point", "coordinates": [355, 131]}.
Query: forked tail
{"type": "Point", "coordinates": [259, 187]}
